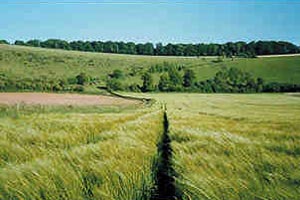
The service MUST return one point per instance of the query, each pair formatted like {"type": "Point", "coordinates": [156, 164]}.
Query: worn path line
{"type": "Point", "coordinates": [164, 171]}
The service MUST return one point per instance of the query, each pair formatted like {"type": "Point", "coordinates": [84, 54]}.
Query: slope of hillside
{"type": "Point", "coordinates": [29, 62]}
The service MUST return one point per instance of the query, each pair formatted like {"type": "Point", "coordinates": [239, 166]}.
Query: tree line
{"type": "Point", "coordinates": [172, 79]}
{"type": "Point", "coordinates": [229, 49]}
{"type": "Point", "coordinates": [177, 79]}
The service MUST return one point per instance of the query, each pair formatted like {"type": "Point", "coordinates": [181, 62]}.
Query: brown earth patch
{"type": "Point", "coordinates": [62, 99]}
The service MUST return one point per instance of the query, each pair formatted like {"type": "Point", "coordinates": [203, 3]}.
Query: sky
{"type": "Point", "coordinates": [189, 21]}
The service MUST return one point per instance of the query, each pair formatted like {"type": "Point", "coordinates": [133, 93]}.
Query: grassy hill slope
{"type": "Point", "coordinates": [30, 62]}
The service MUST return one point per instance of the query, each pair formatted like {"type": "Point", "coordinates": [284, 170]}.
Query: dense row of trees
{"type": "Point", "coordinates": [230, 80]}
{"type": "Point", "coordinates": [228, 49]}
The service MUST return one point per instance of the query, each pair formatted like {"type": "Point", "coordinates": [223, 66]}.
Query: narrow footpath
{"type": "Point", "coordinates": [163, 170]}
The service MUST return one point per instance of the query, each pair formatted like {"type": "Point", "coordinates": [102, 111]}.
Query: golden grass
{"type": "Point", "coordinates": [225, 146]}
{"type": "Point", "coordinates": [229, 146]}
{"type": "Point", "coordinates": [79, 156]}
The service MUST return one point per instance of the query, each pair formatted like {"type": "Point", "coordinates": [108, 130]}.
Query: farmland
{"type": "Point", "coordinates": [100, 154]}
{"type": "Point", "coordinates": [225, 146]}
{"type": "Point", "coordinates": [229, 146]}
{"type": "Point", "coordinates": [188, 145]}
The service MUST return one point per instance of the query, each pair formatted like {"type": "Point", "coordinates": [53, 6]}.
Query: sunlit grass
{"type": "Point", "coordinates": [230, 146]}
{"type": "Point", "coordinates": [79, 156]}
{"type": "Point", "coordinates": [225, 146]}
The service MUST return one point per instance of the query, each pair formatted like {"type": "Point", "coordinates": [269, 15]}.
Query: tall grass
{"type": "Point", "coordinates": [235, 146]}
{"type": "Point", "coordinates": [79, 156]}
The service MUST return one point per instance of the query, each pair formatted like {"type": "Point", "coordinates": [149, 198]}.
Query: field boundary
{"type": "Point", "coordinates": [149, 101]}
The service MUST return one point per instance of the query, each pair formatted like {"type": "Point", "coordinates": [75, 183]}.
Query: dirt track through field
{"type": "Point", "coordinates": [61, 99]}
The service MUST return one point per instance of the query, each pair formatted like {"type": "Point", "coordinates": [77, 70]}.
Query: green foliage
{"type": "Point", "coordinates": [82, 78]}
{"type": "Point", "coordinates": [232, 80]}
{"type": "Point", "coordinates": [3, 42]}
{"type": "Point", "coordinates": [164, 82]}
{"type": "Point", "coordinates": [189, 78]}
{"type": "Point", "coordinates": [33, 69]}
{"type": "Point", "coordinates": [281, 87]}
{"type": "Point", "coordinates": [134, 88]}
{"type": "Point", "coordinates": [229, 49]}
{"type": "Point", "coordinates": [115, 84]}
{"type": "Point", "coordinates": [117, 73]}
{"type": "Point", "coordinates": [175, 80]}
{"type": "Point", "coordinates": [77, 88]}
{"type": "Point", "coordinates": [148, 84]}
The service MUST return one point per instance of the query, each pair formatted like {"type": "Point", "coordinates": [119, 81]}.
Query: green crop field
{"type": "Point", "coordinates": [224, 146]}
{"type": "Point", "coordinates": [46, 154]}
{"type": "Point", "coordinates": [229, 146]}
{"type": "Point", "coordinates": [30, 62]}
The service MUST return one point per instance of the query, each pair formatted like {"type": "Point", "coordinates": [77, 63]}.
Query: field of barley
{"type": "Point", "coordinates": [235, 146]}
{"type": "Point", "coordinates": [215, 146]}
{"type": "Point", "coordinates": [51, 152]}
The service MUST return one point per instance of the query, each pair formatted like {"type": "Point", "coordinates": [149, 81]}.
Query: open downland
{"type": "Point", "coordinates": [62, 99]}
{"type": "Point", "coordinates": [33, 63]}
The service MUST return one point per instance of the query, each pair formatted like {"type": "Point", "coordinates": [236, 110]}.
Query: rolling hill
{"type": "Point", "coordinates": [18, 62]}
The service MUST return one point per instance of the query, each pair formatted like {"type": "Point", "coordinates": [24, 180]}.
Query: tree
{"type": "Point", "coordinates": [3, 42]}
{"type": "Point", "coordinates": [82, 78]}
{"type": "Point", "coordinates": [34, 43]}
{"type": "Point", "coordinates": [159, 50]}
{"type": "Point", "coordinates": [175, 80]}
{"type": "Point", "coordinates": [260, 84]}
{"type": "Point", "coordinates": [229, 49]}
{"type": "Point", "coordinates": [114, 84]}
{"type": "Point", "coordinates": [148, 49]}
{"type": "Point", "coordinates": [117, 73]}
{"type": "Point", "coordinates": [131, 48]}
{"type": "Point", "coordinates": [189, 78]}
{"type": "Point", "coordinates": [19, 42]}
{"type": "Point", "coordinates": [88, 47]}
{"type": "Point", "coordinates": [164, 82]}
{"type": "Point", "coordinates": [147, 83]}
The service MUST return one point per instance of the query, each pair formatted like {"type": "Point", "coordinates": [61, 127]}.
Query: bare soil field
{"type": "Point", "coordinates": [62, 99]}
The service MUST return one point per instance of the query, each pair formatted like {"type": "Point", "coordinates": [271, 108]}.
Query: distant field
{"type": "Point", "coordinates": [29, 62]}
{"type": "Point", "coordinates": [62, 99]}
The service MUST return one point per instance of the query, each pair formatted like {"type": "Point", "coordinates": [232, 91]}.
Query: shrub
{"type": "Point", "coordinates": [82, 78]}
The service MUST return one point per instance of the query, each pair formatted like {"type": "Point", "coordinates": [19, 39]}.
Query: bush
{"type": "Point", "coordinates": [115, 84]}
{"type": "Point", "coordinates": [134, 88]}
{"type": "Point", "coordinates": [82, 79]}
{"type": "Point", "coordinates": [117, 74]}
{"type": "Point", "coordinates": [78, 88]}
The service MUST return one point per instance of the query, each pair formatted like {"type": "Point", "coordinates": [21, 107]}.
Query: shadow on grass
{"type": "Point", "coordinates": [164, 173]}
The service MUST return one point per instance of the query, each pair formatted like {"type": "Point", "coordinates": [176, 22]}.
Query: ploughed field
{"type": "Point", "coordinates": [61, 99]}
{"type": "Point", "coordinates": [205, 146]}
